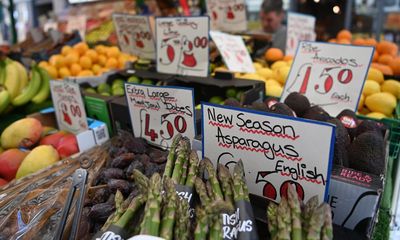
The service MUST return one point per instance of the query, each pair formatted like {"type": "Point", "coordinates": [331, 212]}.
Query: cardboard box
{"type": "Point", "coordinates": [354, 197]}
{"type": "Point", "coordinates": [97, 133]}
{"type": "Point", "coordinates": [97, 107]}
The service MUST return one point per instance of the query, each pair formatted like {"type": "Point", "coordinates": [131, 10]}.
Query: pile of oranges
{"type": "Point", "coordinates": [385, 58]}
{"type": "Point", "coordinates": [81, 61]}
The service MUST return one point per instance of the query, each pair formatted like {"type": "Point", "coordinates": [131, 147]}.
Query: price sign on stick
{"type": "Point", "coordinates": [69, 107]}
{"type": "Point", "coordinates": [227, 15]}
{"type": "Point", "coordinates": [299, 27]}
{"type": "Point", "coordinates": [123, 34]}
{"type": "Point", "coordinates": [233, 51]}
{"type": "Point", "coordinates": [182, 45]}
{"type": "Point", "coordinates": [159, 113]}
{"type": "Point", "coordinates": [142, 44]}
{"type": "Point", "coordinates": [77, 23]}
{"type": "Point", "coordinates": [276, 150]}
{"type": "Point", "coordinates": [330, 75]}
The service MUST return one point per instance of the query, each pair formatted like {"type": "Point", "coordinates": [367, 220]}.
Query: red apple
{"type": "Point", "coordinates": [10, 161]}
{"type": "Point", "coordinates": [67, 146]}
{"type": "Point", "coordinates": [53, 139]}
{"type": "Point", "coordinates": [3, 182]}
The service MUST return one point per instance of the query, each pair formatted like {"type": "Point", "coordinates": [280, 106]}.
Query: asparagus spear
{"type": "Point", "coordinates": [295, 210]}
{"type": "Point", "coordinates": [284, 221]}
{"type": "Point", "coordinates": [241, 191]}
{"type": "Point", "coordinates": [327, 231]}
{"type": "Point", "coordinates": [209, 189]}
{"type": "Point", "coordinates": [171, 155]}
{"type": "Point", "coordinates": [200, 233]}
{"type": "Point", "coordinates": [225, 179]}
{"type": "Point", "coordinates": [215, 231]}
{"type": "Point", "coordinates": [182, 224]}
{"type": "Point", "coordinates": [185, 169]}
{"type": "Point", "coordinates": [184, 146]}
{"type": "Point", "coordinates": [309, 208]}
{"type": "Point", "coordinates": [193, 163]}
{"type": "Point", "coordinates": [151, 221]}
{"type": "Point", "coordinates": [168, 215]}
{"type": "Point", "coordinates": [119, 210]}
{"type": "Point", "coordinates": [133, 207]}
{"type": "Point", "coordinates": [141, 181]}
{"type": "Point", "coordinates": [212, 177]}
{"type": "Point", "coordinates": [272, 220]}
{"type": "Point", "coordinates": [202, 192]}
{"type": "Point", "coordinates": [316, 222]}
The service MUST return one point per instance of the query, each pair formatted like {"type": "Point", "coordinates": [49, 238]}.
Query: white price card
{"type": "Point", "coordinates": [143, 44]}
{"type": "Point", "coordinates": [122, 31]}
{"type": "Point", "coordinates": [69, 107]}
{"type": "Point", "coordinates": [276, 150]}
{"type": "Point", "coordinates": [182, 45]}
{"type": "Point", "coordinates": [299, 27]}
{"type": "Point", "coordinates": [227, 15]}
{"type": "Point", "coordinates": [159, 113]}
{"type": "Point", "coordinates": [77, 23]}
{"type": "Point", "coordinates": [233, 52]}
{"type": "Point", "coordinates": [329, 75]}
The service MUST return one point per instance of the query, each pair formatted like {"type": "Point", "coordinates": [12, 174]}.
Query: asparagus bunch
{"type": "Point", "coordinates": [289, 221]}
{"type": "Point", "coordinates": [151, 221]}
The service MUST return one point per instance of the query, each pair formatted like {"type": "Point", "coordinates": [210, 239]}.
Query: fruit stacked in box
{"type": "Point", "coordinates": [81, 61]}
{"type": "Point", "coordinates": [20, 87]}
{"type": "Point", "coordinates": [27, 146]}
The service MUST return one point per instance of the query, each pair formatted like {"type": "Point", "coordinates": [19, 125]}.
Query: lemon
{"type": "Point", "coordinates": [282, 74]}
{"type": "Point", "coordinates": [266, 73]}
{"type": "Point", "coordinates": [221, 69]}
{"type": "Point", "coordinates": [381, 102]}
{"type": "Point", "coordinates": [278, 64]}
{"type": "Point", "coordinates": [361, 102]}
{"type": "Point", "coordinates": [274, 91]}
{"type": "Point", "coordinates": [85, 62]}
{"type": "Point", "coordinates": [376, 115]}
{"type": "Point", "coordinates": [391, 86]}
{"type": "Point", "coordinates": [364, 111]}
{"type": "Point", "coordinates": [272, 82]}
{"type": "Point", "coordinates": [375, 74]}
{"type": "Point", "coordinates": [371, 87]}
{"type": "Point", "coordinates": [96, 68]}
{"type": "Point", "coordinates": [257, 66]}
{"type": "Point", "coordinates": [252, 76]}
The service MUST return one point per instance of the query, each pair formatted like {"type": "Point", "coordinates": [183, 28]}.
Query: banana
{"type": "Point", "coordinates": [29, 91]}
{"type": "Point", "coordinates": [4, 100]}
{"type": "Point", "coordinates": [44, 91]}
{"type": "Point", "coordinates": [2, 72]}
{"type": "Point", "coordinates": [23, 76]}
{"type": "Point", "coordinates": [12, 79]}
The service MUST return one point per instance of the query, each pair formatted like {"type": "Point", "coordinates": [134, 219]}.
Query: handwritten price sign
{"type": "Point", "coordinates": [330, 75]}
{"type": "Point", "coordinates": [233, 51]}
{"type": "Point", "coordinates": [299, 27]}
{"type": "Point", "coordinates": [69, 107]}
{"type": "Point", "coordinates": [143, 44]}
{"type": "Point", "coordinates": [123, 35]}
{"type": "Point", "coordinates": [276, 151]}
{"type": "Point", "coordinates": [182, 45]}
{"type": "Point", "coordinates": [159, 113]}
{"type": "Point", "coordinates": [227, 15]}
{"type": "Point", "coordinates": [77, 23]}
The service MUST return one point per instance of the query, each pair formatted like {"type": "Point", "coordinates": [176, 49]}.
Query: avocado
{"type": "Point", "coordinates": [342, 142]}
{"type": "Point", "coordinates": [316, 113]}
{"type": "Point", "coordinates": [233, 102]}
{"type": "Point", "coordinates": [147, 82]}
{"type": "Point", "coordinates": [370, 125]}
{"type": "Point", "coordinates": [281, 108]}
{"type": "Point", "coordinates": [231, 92]}
{"type": "Point", "coordinates": [103, 88]}
{"type": "Point", "coordinates": [349, 120]}
{"type": "Point", "coordinates": [367, 153]}
{"type": "Point", "coordinates": [216, 100]}
{"type": "Point", "coordinates": [90, 90]}
{"type": "Point", "coordinates": [298, 102]}
{"type": "Point", "coordinates": [134, 79]}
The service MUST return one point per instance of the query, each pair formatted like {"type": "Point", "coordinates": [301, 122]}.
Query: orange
{"type": "Point", "coordinates": [273, 54]}
{"type": "Point", "coordinates": [287, 58]}
{"type": "Point", "coordinates": [375, 57]}
{"type": "Point", "coordinates": [81, 48]}
{"type": "Point", "coordinates": [72, 57]}
{"type": "Point", "coordinates": [100, 49]}
{"type": "Point", "coordinates": [43, 64]}
{"type": "Point", "coordinates": [358, 41]}
{"type": "Point", "coordinates": [122, 59]}
{"type": "Point", "coordinates": [96, 69]}
{"type": "Point", "coordinates": [65, 50]}
{"type": "Point", "coordinates": [386, 70]}
{"type": "Point", "coordinates": [52, 71]}
{"type": "Point", "coordinates": [85, 73]}
{"type": "Point", "coordinates": [113, 52]}
{"type": "Point", "coordinates": [395, 66]}
{"type": "Point", "coordinates": [75, 69]}
{"type": "Point", "coordinates": [343, 41]}
{"type": "Point", "coordinates": [92, 54]}
{"type": "Point", "coordinates": [370, 42]}
{"type": "Point", "coordinates": [111, 63]}
{"type": "Point", "coordinates": [64, 72]}
{"type": "Point", "coordinates": [332, 40]}
{"type": "Point", "coordinates": [101, 60]}
{"type": "Point", "coordinates": [387, 47]}
{"type": "Point", "coordinates": [344, 34]}
{"type": "Point", "coordinates": [385, 58]}
{"type": "Point", "coordinates": [57, 61]}
{"type": "Point", "coordinates": [85, 62]}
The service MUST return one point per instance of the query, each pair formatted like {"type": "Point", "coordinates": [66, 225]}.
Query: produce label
{"type": "Point", "coordinates": [276, 150]}
{"type": "Point", "coordinates": [77, 23]}
{"type": "Point", "coordinates": [299, 27]}
{"type": "Point", "coordinates": [227, 15]}
{"type": "Point", "coordinates": [233, 52]}
{"type": "Point", "coordinates": [142, 41]}
{"type": "Point", "coordinates": [159, 113]}
{"type": "Point", "coordinates": [182, 45]}
{"type": "Point", "coordinates": [69, 107]}
{"type": "Point", "coordinates": [329, 75]}
{"type": "Point", "coordinates": [122, 31]}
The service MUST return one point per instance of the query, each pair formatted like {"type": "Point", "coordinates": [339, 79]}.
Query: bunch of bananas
{"type": "Point", "coordinates": [17, 88]}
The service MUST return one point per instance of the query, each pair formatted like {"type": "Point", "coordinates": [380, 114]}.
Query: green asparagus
{"type": "Point", "coordinates": [284, 221]}
{"type": "Point", "coordinates": [182, 150]}
{"type": "Point", "coordinates": [182, 226]}
{"type": "Point", "coordinates": [141, 181]}
{"type": "Point", "coordinates": [151, 222]}
{"type": "Point", "coordinates": [185, 170]}
{"type": "Point", "coordinates": [225, 179]}
{"type": "Point", "coordinates": [200, 233]}
{"type": "Point", "coordinates": [316, 222]}
{"type": "Point", "coordinates": [172, 155]}
{"type": "Point", "coordinates": [216, 189]}
{"type": "Point", "coordinates": [202, 191]}
{"type": "Point", "coordinates": [327, 231]}
{"type": "Point", "coordinates": [168, 213]}
{"type": "Point", "coordinates": [295, 210]}
{"type": "Point", "coordinates": [215, 231]}
{"type": "Point", "coordinates": [272, 220]}
{"type": "Point", "coordinates": [130, 212]}
{"type": "Point", "coordinates": [193, 168]}
{"type": "Point", "coordinates": [309, 208]}
{"type": "Point", "coordinates": [119, 210]}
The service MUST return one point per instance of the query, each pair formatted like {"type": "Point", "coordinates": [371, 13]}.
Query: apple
{"type": "Point", "coordinates": [67, 146]}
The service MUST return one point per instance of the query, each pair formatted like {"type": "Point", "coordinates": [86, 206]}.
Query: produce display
{"type": "Point", "coordinates": [19, 88]}
{"type": "Point", "coordinates": [292, 219]}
